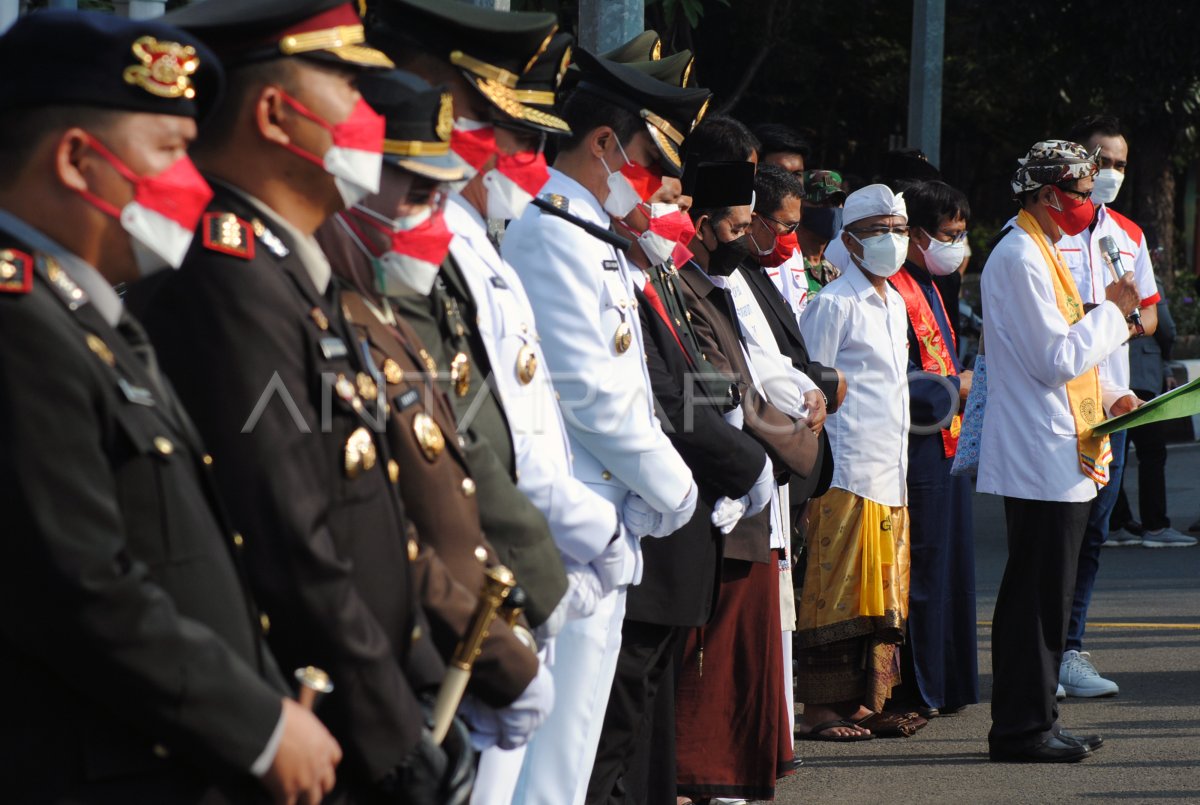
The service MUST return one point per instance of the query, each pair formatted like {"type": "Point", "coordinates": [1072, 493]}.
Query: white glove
{"type": "Point", "coordinates": [620, 563]}
{"type": "Point", "coordinates": [583, 594]}
{"type": "Point", "coordinates": [638, 516]}
{"type": "Point", "coordinates": [760, 493]}
{"type": "Point", "coordinates": [727, 513]}
{"type": "Point", "coordinates": [510, 727]}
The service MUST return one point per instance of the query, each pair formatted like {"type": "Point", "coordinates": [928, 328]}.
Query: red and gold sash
{"type": "Point", "coordinates": [935, 353]}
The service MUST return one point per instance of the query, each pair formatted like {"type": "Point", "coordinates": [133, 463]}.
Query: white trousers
{"type": "Point", "coordinates": [559, 759]}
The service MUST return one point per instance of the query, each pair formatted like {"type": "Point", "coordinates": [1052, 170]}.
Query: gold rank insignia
{"type": "Point", "coordinates": [430, 363]}
{"type": "Point", "coordinates": [319, 317]}
{"type": "Point", "coordinates": [96, 344]}
{"type": "Point", "coordinates": [392, 372]}
{"type": "Point", "coordinates": [527, 364]}
{"type": "Point", "coordinates": [622, 338]}
{"type": "Point", "coordinates": [429, 436]}
{"type": "Point", "coordinates": [16, 271]}
{"type": "Point", "coordinates": [460, 374]}
{"type": "Point", "coordinates": [359, 453]}
{"type": "Point", "coordinates": [166, 68]}
{"type": "Point", "coordinates": [225, 233]}
{"type": "Point", "coordinates": [367, 387]}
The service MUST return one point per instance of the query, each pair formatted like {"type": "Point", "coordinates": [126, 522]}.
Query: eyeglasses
{"type": "Point", "coordinates": [953, 238]}
{"type": "Point", "coordinates": [1081, 195]}
{"type": "Point", "coordinates": [875, 231]}
{"type": "Point", "coordinates": [780, 227]}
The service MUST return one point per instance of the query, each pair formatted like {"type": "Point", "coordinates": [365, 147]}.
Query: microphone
{"type": "Point", "coordinates": [1112, 256]}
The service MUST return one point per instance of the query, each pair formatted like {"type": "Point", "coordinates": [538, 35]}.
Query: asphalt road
{"type": "Point", "coordinates": [1144, 634]}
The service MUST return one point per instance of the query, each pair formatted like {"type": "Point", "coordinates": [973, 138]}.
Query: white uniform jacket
{"type": "Point", "coordinates": [1029, 448]}
{"type": "Point", "coordinates": [582, 521]}
{"type": "Point", "coordinates": [582, 297]}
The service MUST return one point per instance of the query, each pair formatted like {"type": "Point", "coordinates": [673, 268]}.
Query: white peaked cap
{"type": "Point", "coordinates": [874, 199]}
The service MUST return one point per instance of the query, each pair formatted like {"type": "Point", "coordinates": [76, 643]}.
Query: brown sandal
{"type": "Point", "coordinates": [888, 725]}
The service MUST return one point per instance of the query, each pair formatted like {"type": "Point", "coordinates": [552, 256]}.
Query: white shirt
{"type": "Point", "coordinates": [582, 293]}
{"type": "Point", "coordinates": [1084, 257]}
{"type": "Point", "coordinates": [791, 279]}
{"type": "Point", "coordinates": [581, 521]}
{"type": "Point", "coordinates": [848, 325]}
{"type": "Point", "coordinates": [1029, 447]}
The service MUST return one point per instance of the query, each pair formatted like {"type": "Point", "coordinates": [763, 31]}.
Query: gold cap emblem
{"type": "Point", "coordinates": [445, 119]}
{"type": "Point", "coordinates": [166, 68]}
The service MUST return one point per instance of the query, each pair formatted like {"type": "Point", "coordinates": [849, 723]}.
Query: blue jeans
{"type": "Point", "coordinates": [1093, 538]}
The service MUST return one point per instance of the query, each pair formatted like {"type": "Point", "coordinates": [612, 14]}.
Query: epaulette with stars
{"type": "Point", "coordinates": [16, 272]}
{"type": "Point", "coordinates": [224, 232]}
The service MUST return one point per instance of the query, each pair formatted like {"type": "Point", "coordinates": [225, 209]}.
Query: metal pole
{"type": "Point", "coordinates": [9, 11]}
{"type": "Point", "coordinates": [925, 77]}
{"type": "Point", "coordinates": [604, 24]}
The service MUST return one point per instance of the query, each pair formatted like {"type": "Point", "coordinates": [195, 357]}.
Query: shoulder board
{"type": "Point", "coordinates": [270, 239]}
{"type": "Point", "coordinates": [16, 272]}
{"type": "Point", "coordinates": [1131, 229]}
{"type": "Point", "coordinates": [224, 232]}
{"type": "Point", "coordinates": [560, 202]}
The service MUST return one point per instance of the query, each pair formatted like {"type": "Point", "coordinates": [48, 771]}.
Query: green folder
{"type": "Point", "coordinates": [1175, 404]}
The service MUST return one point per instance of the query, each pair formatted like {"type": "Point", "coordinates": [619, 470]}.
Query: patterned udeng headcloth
{"type": "Point", "coordinates": [1051, 162]}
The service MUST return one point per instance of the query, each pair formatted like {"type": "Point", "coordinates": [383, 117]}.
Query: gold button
{"type": "Point", "coordinates": [163, 445]}
{"type": "Point", "coordinates": [481, 554]}
{"type": "Point", "coordinates": [416, 635]}
{"type": "Point", "coordinates": [161, 751]}
{"type": "Point", "coordinates": [207, 459]}
{"type": "Point", "coordinates": [414, 550]}
{"type": "Point", "coordinates": [265, 622]}
{"type": "Point", "coordinates": [238, 539]}
{"type": "Point", "coordinates": [606, 475]}
{"type": "Point", "coordinates": [468, 487]}
{"type": "Point", "coordinates": [462, 441]}
{"type": "Point", "coordinates": [393, 471]}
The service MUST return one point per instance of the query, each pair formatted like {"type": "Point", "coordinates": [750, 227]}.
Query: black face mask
{"type": "Point", "coordinates": [824, 222]}
{"type": "Point", "coordinates": [724, 260]}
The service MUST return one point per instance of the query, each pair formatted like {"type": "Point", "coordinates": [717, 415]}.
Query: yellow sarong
{"type": "Point", "coordinates": [856, 577]}
{"type": "Point", "coordinates": [1083, 392]}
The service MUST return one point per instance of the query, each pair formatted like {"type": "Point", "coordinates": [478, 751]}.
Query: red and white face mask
{"type": "Point", "coordinates": [355, 160]}
{"type": "Point", "coordinates": [163, 215]}
{"type": "Point", "coordinates": [514, 181]}
{"type": "Point", "coordinates": [668, 234]}
{"type": "Point", "coordinates": [419, 244]}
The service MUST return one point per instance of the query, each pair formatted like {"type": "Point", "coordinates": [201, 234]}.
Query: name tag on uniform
{"type": "Point", "coordinates": [611, 265]}
{"type": "Point", "coordinates": [407, 400]}
{"type": "Point", "coordinates": [333, 347]}
{"type": "Point", "coordinates": [498, 282]}
{"type": "Point", "coordinates": [136, 394]}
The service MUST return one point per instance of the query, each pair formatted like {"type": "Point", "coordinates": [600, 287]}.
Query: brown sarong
{"type": "Point", "coordinates": [730, 713]}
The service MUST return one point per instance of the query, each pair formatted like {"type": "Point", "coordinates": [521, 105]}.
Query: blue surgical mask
{"type": "Point", "coordinates": [824, 222]}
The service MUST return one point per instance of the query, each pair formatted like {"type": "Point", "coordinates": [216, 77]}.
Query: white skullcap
{"type": "Point", "coordinates": [874, 199]}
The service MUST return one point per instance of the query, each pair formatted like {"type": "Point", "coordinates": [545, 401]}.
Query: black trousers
{"type": "Point", "coordinates": [1033, 610]}
{"type": "Point", "coordinates": [635, 761]}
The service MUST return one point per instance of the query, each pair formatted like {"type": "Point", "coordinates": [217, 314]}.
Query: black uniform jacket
{"type": "Point", "coordinates": [264, 365]}
{"type": "Point", "coordinates": [130, 651]}
{"type": "Point", "coordinates": [679, 579]}
{"type": "Point", "coordinates": [445, 322]}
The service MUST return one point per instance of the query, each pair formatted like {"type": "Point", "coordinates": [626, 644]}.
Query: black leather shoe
{"type": "Point", "coordinates": [1051, 750]}
{"type": "Point", "coordinates": [1092, 742]}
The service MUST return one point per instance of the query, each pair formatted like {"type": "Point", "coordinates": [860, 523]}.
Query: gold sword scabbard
{"type": "Point", "coordinates": [498, 582]}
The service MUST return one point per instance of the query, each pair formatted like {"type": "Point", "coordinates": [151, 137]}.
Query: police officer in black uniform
{"type": "Point", "coordinates": [133, 660]}
{"type": "Point", "coordinates": [249, 331]}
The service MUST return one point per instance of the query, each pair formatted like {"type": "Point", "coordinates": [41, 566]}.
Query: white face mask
{"type": "Point", "coordinates": [882, 254]}
{"type": "Point", "coordinates": [1108, 184]}
{"type": "Point", "coordinates": [400, 274]}
{"type": "Point", "coordinates": [943, 259]}
{"type": "Point", "coordinates": [622, 198]}
{"type": "Point", "coordinates": [658, 249]}
{"type": "Point", "coordinates": [506, 201]}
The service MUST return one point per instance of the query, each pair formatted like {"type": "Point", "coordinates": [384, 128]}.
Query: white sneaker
{"type": "Point", "coordinates": [1078, 677]}
{"type": "Point", "coordinates": [1167, 538]}
{"type": "Point", "coordinates": [1121, 537]}
{"type": "Point", "coordinates": [1060, 694]}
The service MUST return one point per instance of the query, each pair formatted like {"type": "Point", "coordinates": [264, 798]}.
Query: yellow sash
{"type": "Point", "coordinates": [1083, 392]}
